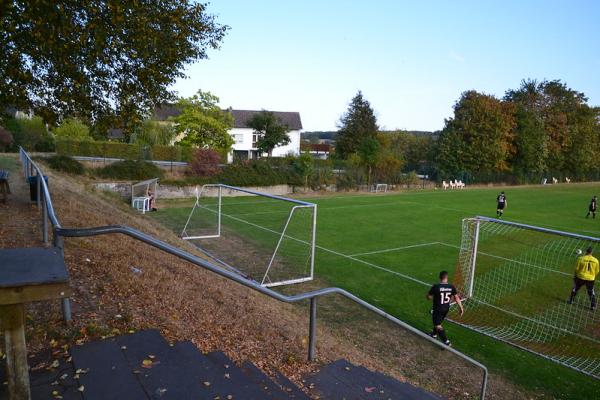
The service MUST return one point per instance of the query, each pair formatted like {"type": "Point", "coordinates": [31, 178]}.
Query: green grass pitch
{"type": "Point", "coordinates": [384, 247]}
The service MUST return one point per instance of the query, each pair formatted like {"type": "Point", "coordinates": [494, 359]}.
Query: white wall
{"type": "Point", "coordinates": [243, 138]}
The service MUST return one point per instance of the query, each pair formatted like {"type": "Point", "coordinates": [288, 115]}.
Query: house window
{"type": "Point", "coordinates": [238, 138]}
{"type": "Point", "coordinates": [255, 137]}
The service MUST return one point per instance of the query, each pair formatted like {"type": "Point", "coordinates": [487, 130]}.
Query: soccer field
{"type": "Point", "coordinates": [389, 248]}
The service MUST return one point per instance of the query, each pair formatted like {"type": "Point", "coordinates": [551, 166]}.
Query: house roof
{"type": "Point", "coordinates": [240, 117]}
{"type": "Point", "coordinates": [289, 118]}
{"type": "Point", "coordinates": [115, 133]}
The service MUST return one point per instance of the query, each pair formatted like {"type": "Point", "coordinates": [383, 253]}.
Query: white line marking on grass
{"type": "Point", "coordinates": [394, 249]}
{"type": "Point", "coordinates": [410, 278]}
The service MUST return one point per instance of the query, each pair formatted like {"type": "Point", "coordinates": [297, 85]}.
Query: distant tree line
{"type": "Point", "coordinates": [542, 129]}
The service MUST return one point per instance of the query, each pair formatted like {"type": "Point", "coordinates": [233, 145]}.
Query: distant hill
{"type": "Point", "coordinates": [330, 135]}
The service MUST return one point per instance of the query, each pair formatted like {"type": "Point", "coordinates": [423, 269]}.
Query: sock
{"type": "Point", "coordinates": [442, 335]}
{"type": "Point", "coordinates": [573, 293]}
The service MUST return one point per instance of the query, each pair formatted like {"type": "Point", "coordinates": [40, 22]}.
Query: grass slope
{"type": "Point", "coordinates": [386, 248]}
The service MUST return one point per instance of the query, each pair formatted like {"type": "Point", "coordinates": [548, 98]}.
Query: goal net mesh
{"type": "Point", "coordinates": [517, 279]}
{"type": "Point", "coordinates": [268, 239]}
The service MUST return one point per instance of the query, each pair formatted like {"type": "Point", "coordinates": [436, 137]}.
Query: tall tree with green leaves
{"type": "Point", "coordinates": [271, 132]}
{"type": "Point", "coordinates": [98, 59]}
{"type": "Point", "coordinates": [356, 124]}
{"type": "Point", "coordinates": [369, 153]}
{"type": "Point", "coordinates": [202, 123]}
{"type": "Point", "coordinates": [556, 131]}
{"type": "Point", "coordinates": [479, 138]}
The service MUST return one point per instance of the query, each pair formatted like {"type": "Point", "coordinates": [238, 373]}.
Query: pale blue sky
{"type": "Point", "coordinates": [411, 59]}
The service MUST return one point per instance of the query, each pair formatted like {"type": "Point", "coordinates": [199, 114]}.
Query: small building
{"type": "Point", "coordinates": [244, 138]}
{"type": "Point", "coordinates": [320, 151]}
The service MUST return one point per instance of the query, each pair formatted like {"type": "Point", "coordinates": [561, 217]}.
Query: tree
{"type": "Point", "coordinates": [357, 124]}
{"type": "Point", "coordinates": [154, 133]}
{"type": "Point", "coordinates": [72, 128]}
{"type": "Point", "coordinates": [303, 165]}
{"type": "Point", "coordinates": [479, 138]}
{"type": "Point", "coordinates": [97, 58]}
{"type": "Point", "coordinates": [6, 139]}
{"type": "Point", "coordinates": [203, 123]}
{"type": "Point", "coordinates": [271, 133]}
{"type": "Point", "coordinates": [556, 130]}
{"type": "Point", "coordinates": [369, 151]}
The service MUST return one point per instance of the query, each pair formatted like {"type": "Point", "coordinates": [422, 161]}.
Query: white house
{"type": "Point", "coordinates": [244, 146]}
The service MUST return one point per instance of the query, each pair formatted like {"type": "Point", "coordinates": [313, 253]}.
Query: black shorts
{"type": "Point", "coordinates": [578, 283]}
{"type": "Point", "coordinates": [438, 316]}
{"type": "Point", "coordinates": [592, 209]}
{"type": "Point", "coordinates": [501, 206]}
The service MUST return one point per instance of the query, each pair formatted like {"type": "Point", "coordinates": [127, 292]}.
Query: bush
{"type": "Point", "coordinates": [131, 170]}
{"type": "Point", "coordinates": [31, 134]}
{"type": "Point", "coordinates": [66, 164]}
{"type": "Point", "coordinates": [205, 163]}
{"type": "Point", "coordinates": [74, 129]}
{"type": "Point", "coordinates": [71, 147]}
{"type": "Point", "coordinates": [6, 139]}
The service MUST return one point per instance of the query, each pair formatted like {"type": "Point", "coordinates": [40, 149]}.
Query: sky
{"type": "Point", "coordinates": [411, 59]}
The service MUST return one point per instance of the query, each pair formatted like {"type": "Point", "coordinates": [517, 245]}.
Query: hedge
{"type": "Point", "coordinates": [89, 148]}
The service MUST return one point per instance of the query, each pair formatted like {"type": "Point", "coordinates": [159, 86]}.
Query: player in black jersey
{"type": "Point", "coordinates": [442, 294]}
{"type": "Point", "coordinates": [502, 203]}
{"type": "Point", "coordinates": [592, 208]}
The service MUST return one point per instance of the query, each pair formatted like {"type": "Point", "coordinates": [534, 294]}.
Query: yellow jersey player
{"type": "Point", "coordinates": [585, 274]}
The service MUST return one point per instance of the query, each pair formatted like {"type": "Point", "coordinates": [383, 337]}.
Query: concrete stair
{"type": "Point", "coordinates": [144, 366]}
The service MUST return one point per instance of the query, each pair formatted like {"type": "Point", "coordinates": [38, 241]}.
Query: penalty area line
{"type": "Point", "coordinates": [412, 246]}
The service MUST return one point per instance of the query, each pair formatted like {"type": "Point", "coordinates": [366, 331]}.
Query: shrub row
{"type": "Point", "coordinates": [65, 164]}
{"type": "Point", "coordinates": [88, 148]}
{"type": "Point", "coordinates": [130, 170]}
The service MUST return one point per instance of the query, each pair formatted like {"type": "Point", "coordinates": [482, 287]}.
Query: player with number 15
{"type": "Point", "coordinates": [442, 294]}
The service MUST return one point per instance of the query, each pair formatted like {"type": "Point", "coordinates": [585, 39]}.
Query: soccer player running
{"type": "Point", "coordinates": [502, 203]}
{"type": "Point", "coordinates": [442, 294]}
{"type": "Point", "coordinates": [592, 207]}
{"type": "Point", "coordinates": [585, 274]}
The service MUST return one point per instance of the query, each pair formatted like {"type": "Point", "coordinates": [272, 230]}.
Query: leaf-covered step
{"type": "Point", "coordinates": [105, 373]}
{"type": "Point", "coordinates": [271, 388]}
{"type": "Point", "coordinates": [342, 379]}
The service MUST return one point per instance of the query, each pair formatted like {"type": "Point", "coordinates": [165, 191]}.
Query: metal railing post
{"type": "Point", "coordinates": [44, 218]}
{"type": "Point", "coordinates": [484, 384]}
{"type": "Point", "coordinates": [59, 242]}
{"type": "Point", "coordinates": [39, 188]}
{"type": "Point", "coordinates": [312, 334]}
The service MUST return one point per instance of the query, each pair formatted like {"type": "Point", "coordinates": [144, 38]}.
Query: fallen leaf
{"type": "Point", "coordinates": [147, 363]}
{"type": "Point", "coordinates": [206, 383]}
{"type": "Point", "coordinates": [369, 389]}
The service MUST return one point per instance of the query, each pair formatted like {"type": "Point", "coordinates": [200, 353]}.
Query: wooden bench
{"type": "Point", "coordinates": [4, 187]}
{"type": "Point", "coordinates": [27, 275]}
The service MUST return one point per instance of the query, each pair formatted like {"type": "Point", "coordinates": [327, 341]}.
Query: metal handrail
{"type": "Point", "coordinates": [312, 296]}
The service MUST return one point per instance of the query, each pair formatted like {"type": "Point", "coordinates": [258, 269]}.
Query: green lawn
{"type": "Point", "coordinates": [8, 163]}
{"type": "Point", "coordinates": [384, 248]}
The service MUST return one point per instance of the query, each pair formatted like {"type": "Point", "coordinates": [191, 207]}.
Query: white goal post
{"type": "Point", "coordinates": [266, 237]}
{"type": "Point", "coordinates": [380, 187]}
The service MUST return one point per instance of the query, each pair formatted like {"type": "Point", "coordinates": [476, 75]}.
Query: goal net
{"type": "Point", "coordinates": [268, 238]}
{"type": "Point", "coordinates": [517, 280]}
{"type": "Point", "coordinates": [380, 188]}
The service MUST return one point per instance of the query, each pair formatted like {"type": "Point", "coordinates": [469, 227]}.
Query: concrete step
{"type": "Point", "coordinates": [343, 380]}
